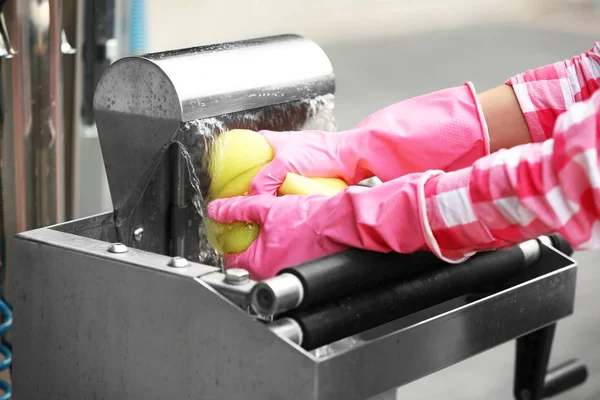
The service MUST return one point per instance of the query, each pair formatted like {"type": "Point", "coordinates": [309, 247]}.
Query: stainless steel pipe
{"type": "Point", "coordinates": [277, 295]}
{"type": "Point", "coordinates": [33, 152]}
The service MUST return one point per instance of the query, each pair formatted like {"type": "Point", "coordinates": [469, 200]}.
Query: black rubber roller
{"type": "Point", "coordinates": [333, 321]}
{"type": "Point", "coordinates": [561, 244]}
{"type": "Point", "coordinates": [354, 271]}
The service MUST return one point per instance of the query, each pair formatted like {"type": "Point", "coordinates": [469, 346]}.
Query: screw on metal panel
{"type": "Point", "coordinates": [118, 248]}
{"type": "Point", "coordinates": [178, 262]}
{"type": "Point", "coordinates": [138, 234]}
{"type": "Point", "coordinates": [236, 276]}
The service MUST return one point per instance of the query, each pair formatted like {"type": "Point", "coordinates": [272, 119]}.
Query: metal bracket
{"type": "Point", "coordinates": [237, 291]}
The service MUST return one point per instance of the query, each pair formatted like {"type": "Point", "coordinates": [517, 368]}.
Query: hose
{"type": "Point", "coordinates": [5, 310]}
{"type": "Point", "coordinates": [7, 361]}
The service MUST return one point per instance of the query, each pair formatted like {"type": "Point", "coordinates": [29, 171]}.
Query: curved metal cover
{"type": "Point", "coordinates": [140, 102]}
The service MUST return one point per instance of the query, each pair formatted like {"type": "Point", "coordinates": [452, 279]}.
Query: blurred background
{"type": "Point", "coordinates": [382, 52]}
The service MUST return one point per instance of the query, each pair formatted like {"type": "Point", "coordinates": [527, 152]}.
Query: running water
{"type": "Point", "coordinates": [207, 254]}
{"type": "Point", "coordinates": [195, 138]}
{"type": "Point", "coordinates": [197, 199]}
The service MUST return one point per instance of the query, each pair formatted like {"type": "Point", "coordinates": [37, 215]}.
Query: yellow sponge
{"type": "Point", "coordinates": [236, 157]}
{"type": "Point", "coordinates": [233, 158]}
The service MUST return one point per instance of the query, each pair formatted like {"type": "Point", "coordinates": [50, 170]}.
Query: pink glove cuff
{"type": "Point", "coordinates": [484, 128]}
{"type": "Point", "coordinates": [426, 228]}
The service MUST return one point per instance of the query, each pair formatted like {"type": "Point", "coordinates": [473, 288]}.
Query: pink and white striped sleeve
{"type": "Point", "coordinates": [521, 193]}
{"type": "Point", "coordinates": [546, 92]}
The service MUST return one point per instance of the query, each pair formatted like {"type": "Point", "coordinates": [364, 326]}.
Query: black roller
{"type": "Point", "coordinates": [561, 244]}
{"type": "Point", "coordinates": [351, 315]}
{"type": "Point", "coordinates": [354, 271]}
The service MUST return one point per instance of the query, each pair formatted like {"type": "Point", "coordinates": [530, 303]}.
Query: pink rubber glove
{"type": "Point", "coordinates": [443, 130]}
{"type": "Point", "coordinates": [295, 229]}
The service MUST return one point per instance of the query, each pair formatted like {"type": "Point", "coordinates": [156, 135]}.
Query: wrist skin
{"type": "Point", "coordinates": [507, 126]}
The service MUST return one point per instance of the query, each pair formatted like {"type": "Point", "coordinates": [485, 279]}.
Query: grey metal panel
{"type": "Point", "coordinates": [93, 327]}
{"type": "Point", "coordinates": [98, 248]}
{"type": "Point", "coordinates": [99, 227]}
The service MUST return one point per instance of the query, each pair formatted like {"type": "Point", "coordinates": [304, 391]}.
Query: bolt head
{"type": "Point", "coordinates": [118, 248]}
{"type": "Point", "coordinates": [138, 234]}
{"type": "Point", "coordinates": [236, 276]}
{"type": "Point", "coordinates": [178, 262]}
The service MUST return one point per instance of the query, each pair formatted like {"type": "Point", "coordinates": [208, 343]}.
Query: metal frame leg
{"type": "Point", "coordinates": [531, 363]}
{"type": "Point", "coordinates": [533, 380]}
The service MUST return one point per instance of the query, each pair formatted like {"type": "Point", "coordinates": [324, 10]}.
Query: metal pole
{"type": "Point", "coordinates": [33, 139]}
{"type": "Point", "coordinates": [16, 165]}
{"type": "Point", "coordinates": [46, 117]}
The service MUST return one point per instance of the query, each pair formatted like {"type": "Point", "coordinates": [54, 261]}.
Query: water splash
{"type": "Point", "coordinates": [197, 199]}
{"type": "Point", "coordinates": [320, 114]}
{"type": "Point", "coordinates": [195, 139]}
{"type": "Point", "coordinates": [258, 316]}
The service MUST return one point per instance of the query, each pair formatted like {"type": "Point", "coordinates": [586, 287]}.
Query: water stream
{"type": "Point", "coordinates": [197, 199]}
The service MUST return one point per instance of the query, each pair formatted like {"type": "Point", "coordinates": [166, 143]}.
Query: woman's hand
{"type": "Point", "coordinates": [296, 228]}
{"type": "Point", "coordinates": [443, 130]}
